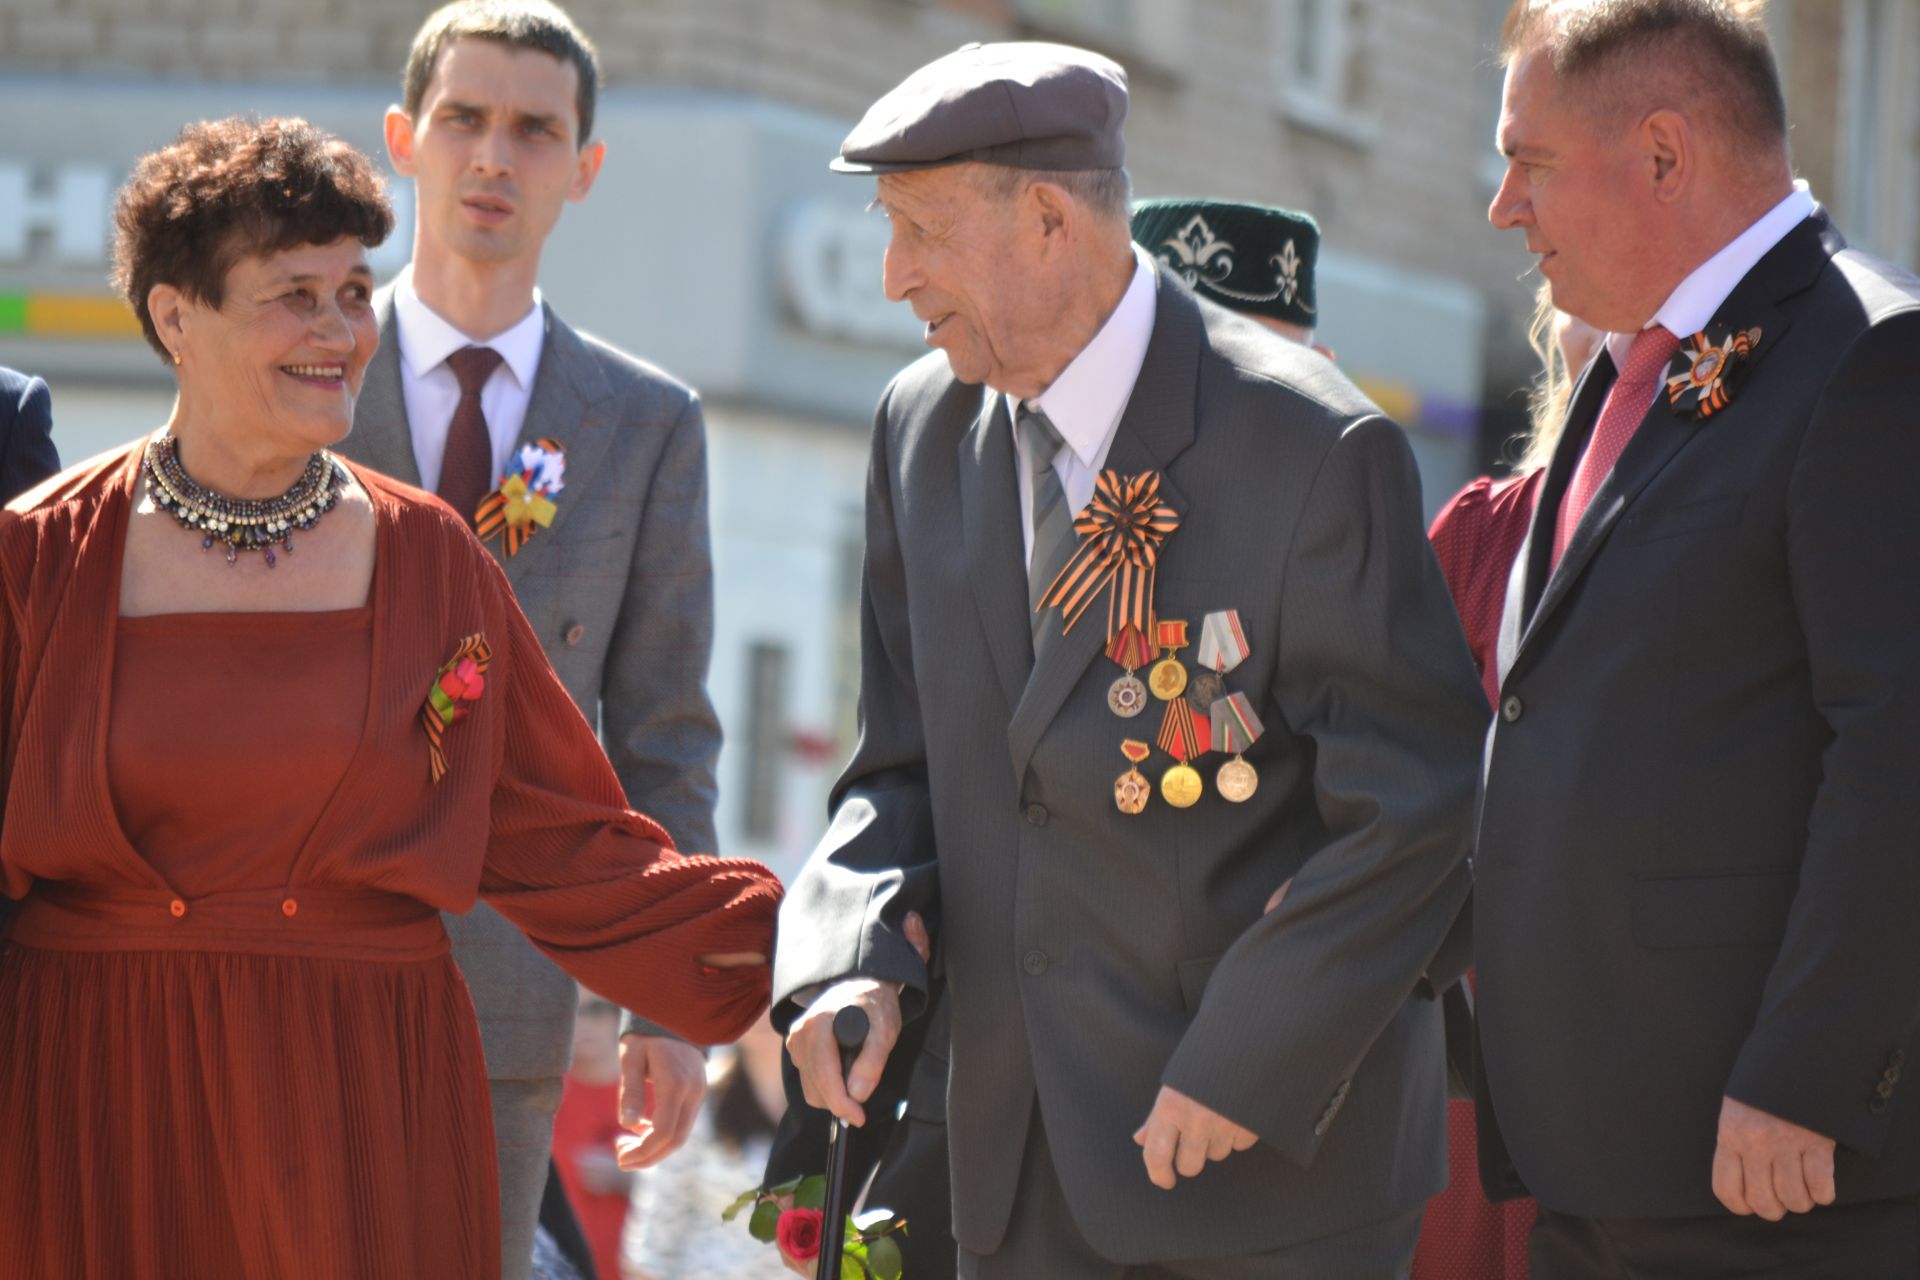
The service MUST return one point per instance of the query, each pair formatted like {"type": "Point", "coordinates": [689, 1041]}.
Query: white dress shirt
{"type": "Point", "coordinates": [1085, 402]}
{"type": "Point", "coordinates": [432, 392]}
{"type": "Point", "coordinates": [1689, 307]}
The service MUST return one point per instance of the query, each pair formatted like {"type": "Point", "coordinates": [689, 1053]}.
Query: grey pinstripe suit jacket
{"type": "Point", "coordinates": [620, 590]}
{"type": "Point", "coordinates": [1092, 956]}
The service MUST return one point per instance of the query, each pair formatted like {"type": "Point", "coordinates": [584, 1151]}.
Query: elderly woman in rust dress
{"type": "Point", "coordinates": [261, 718]}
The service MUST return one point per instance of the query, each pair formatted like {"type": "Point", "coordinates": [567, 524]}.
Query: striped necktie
{"type": "Point", "coordinates": [1052, 525]}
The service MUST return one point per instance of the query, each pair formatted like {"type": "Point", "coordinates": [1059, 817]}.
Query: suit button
{"type": "Point", "coordinates": [1320, 1130]}
{"type": "Point", "coordinates": [1892, 1075]}
{"type": "Point", "coordinates": [1511, 708]}
{"type": "Point", "coordinates": [1035, 963]}
{"type": "Point", "coordinates": [1877, 1105]}
{"type": "Point", "coordinates": [1897, 1058]}
{"type": "Point", "coordinates": [1036, 815]}
{"type": "Point", "coordinates": [178, 908]}
{"type": "Point", "coordinates": [576, 633]}
{"type": "Point", "coordinates": [1884, 1088]}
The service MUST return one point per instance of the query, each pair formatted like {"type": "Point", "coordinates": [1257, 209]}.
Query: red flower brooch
{"type": "Point", "coordinates": [1701, 377]}
{"type": "Point", "coordinates": [458, 684]}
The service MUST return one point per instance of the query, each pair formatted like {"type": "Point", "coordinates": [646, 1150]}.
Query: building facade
{"type": "Point", "coordinates": [718, 245]}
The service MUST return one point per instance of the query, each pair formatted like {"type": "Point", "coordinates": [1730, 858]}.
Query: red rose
{"type": "Point", "coordinates": [798, 1234]}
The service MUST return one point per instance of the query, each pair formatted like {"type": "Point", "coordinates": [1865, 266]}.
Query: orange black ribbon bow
{"type": "Point", "coordinates": [1120, 535]}
{"type": "Point", "coordinates": [1701, 377]}
{"type": "Point", "coordinates": [459, 683]}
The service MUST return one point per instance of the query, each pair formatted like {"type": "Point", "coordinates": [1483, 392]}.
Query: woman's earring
{"type": "Point", "coordinates": [176, 357]}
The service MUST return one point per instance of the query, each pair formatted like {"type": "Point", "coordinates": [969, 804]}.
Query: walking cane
{"type": "Point", "coordinates": [850, 1030]}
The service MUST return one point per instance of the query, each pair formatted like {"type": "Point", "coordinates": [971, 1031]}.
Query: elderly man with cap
{"type": "Point", "coordinates": [1150, 1077]}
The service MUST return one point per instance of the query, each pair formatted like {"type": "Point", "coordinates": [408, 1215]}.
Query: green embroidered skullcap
{"type": "Point", "coordinates": [1248, 257]}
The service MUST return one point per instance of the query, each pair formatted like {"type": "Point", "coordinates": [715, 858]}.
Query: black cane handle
{"type": "Point", "coordinates": [850, 1027]}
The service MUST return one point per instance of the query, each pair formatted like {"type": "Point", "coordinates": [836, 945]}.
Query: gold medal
{"type": "Point", "coordinates": [1127, 696]}
{"type": "Point", "coordinates": [1237, 780]}
{"type": "Point", "coordinates": [1181, 786]}
{"type": "Point", "coordinates": [1168, 679]}
{"type": "Point", "coordinates": [1131, 791]}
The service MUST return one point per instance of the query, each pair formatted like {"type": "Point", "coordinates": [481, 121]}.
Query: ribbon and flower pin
{"type": "Point", "coordinates": [1120, 535]}
{"type": "Point", "coordinates": [524, 500]}
{"type": "Point", "coordinates": [456, 686]}
{"type": "Point", "coordinates": [1703, 372]}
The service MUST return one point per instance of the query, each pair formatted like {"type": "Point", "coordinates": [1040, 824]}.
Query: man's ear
{"type": "Point", "coordinates": [1667, 142]}
{"type": "Point", "coordinates": [1054, 209]}
{"type": "Point", "coordinates": [586, 169]}
{"type": "Point", "coordinates": [399, 131]}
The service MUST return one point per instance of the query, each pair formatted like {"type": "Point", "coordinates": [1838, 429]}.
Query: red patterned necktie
{"type": "Point", "coordinates": [466, 471]}
{"type": "Point", "coordinates": [1627, 403]}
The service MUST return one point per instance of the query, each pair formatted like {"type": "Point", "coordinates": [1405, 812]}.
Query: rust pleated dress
{"type": "Point", "coordinates": [232, 1040]}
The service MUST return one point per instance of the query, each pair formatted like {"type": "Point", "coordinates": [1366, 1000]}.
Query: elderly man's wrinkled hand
{"type": "Point", "coordinates": [1182, 1135]}
{"type": "Point", "coordinates": [816, 1054]}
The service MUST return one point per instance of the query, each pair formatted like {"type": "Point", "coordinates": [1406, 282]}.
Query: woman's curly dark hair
{"type": "Point", "coordinates": [228, 189]}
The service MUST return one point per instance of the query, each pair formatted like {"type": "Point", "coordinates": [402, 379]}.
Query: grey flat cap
{"type": "Point", "coordinates": [1025, 105]}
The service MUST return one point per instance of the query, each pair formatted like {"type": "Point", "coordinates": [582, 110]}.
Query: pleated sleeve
{"type": "Point", "coordinates": [600, 888]}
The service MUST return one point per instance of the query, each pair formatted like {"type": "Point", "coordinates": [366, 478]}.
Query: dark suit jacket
{"type": "Point", "coordinates": [27, 457]}
{"type": "Point", "coordinates": [1091, 956]}
{"type": "Point", "coordinates": [620, 591]}
{"type": "Point", "coordinates": [1696, 872]}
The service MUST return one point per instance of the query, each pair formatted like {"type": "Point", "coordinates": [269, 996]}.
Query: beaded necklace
{"type": "Point", "coordinates": [243, 524]}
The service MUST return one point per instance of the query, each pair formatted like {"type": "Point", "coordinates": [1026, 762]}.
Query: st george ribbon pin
{"type": "Point", "coordinates": [1235, 729]}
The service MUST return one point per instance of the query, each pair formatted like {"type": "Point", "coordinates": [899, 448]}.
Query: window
{"type": "Point", "coordinates": [1317, 50]}
{"type": "Point", "coordinates": [766, 738]}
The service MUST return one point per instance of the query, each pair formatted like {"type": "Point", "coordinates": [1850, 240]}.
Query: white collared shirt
{"type": "Point", "coordinates": [1689, 307]}
{"type": "Point", "coordinates": [1085, 402]}
{"type": "Point", "coordinates": [432, 392]}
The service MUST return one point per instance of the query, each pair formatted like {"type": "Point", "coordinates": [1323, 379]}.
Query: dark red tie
{"type": "Point", "coordinates": [1627, 403]}
{"type": "Point", "coordinates": [466, 472]}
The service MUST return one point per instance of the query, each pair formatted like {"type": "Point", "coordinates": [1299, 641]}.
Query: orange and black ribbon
{"type": "Point", "coordinates": [516, 509]}
{"type": "Point", "coordinates": [1182, 732]}
{"type": "Point", "coordinates": [459, 683]}
{"type": "Point", "coordinates": [1129, 648]}
{"type": "Point", "coordinates": [1120, 535]}
{"type": "Point", "coordinates": [1703, 373]}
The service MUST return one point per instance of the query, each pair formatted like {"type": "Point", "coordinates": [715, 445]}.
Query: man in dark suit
{"type": "Point", "coordinates": [27, 457]}
{"type": "Point", "coordinates": [475, 380]}
{"type": "Point", "coordinates": [1699, 975]}
{"type": "Point", "coordinates": [1149, 1076]}
{"type": "Point", "coordinates": [1254, 259]}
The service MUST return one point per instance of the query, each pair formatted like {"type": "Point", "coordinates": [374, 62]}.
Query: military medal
{"type": "Point", "coordinates": [1223, 644]}
{"type": "Point", "coordinates": [1180, 738]}
{"type": "Point", "coordinates": [1127, 696]}
{"type": "Point", "coordinates": [1131, 790]}
{"type": "Point", "coordinates": [1204, 688]}
{"type": "Point", "coordinates": [1168, 678]}
{"type": "Point", "coordinates": [1235, 728]}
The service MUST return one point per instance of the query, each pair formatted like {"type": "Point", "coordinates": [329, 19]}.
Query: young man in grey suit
{"type": "Point", "coordinates": [1150, 1077]}
{"type": "Point", "coordinates": [473, 368]}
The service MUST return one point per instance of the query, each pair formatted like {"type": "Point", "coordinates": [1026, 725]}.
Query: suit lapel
{"type": "Point", "coordinates": [1788, 268]}
{"type": "Point", "coordinates": [990, 520]}
{"type": "Point", "coordinates": [380, 431]}
{"type": "Point", "coordinates": [1157, 425]}
{"type": "Point", "coordinates": [573, 405]}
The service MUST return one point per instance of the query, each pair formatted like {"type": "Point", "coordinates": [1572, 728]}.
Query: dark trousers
{"type": "Point", "coordinates": [1879, 1240]}
{"type": "Point", "coordinates": [1043, 1240]}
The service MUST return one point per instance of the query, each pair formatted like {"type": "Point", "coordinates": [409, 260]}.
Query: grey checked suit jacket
{"type": "Point", "coordinates": [1091, 956]}
{"type": "Point", "coordinates": [620, 590]}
